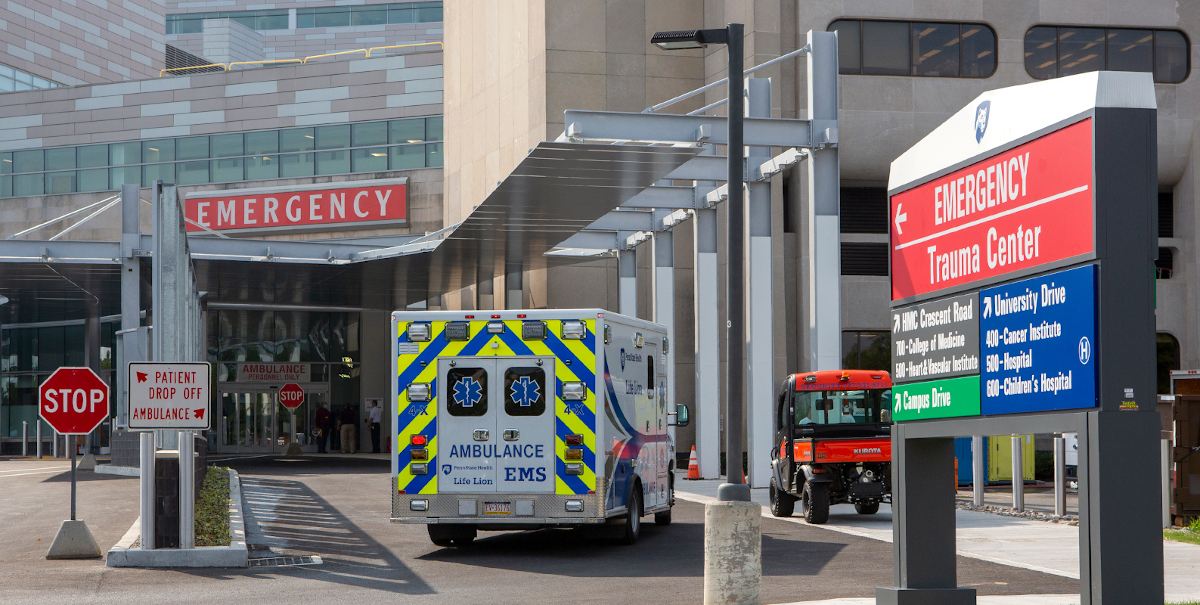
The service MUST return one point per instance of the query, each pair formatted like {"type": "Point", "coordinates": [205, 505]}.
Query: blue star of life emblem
{"type": "Point", "coordinates": [525, 391]}
{"type": "Point", "coordinates": [467, 392]}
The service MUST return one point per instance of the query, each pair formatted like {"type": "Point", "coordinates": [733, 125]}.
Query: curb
{"type": "Point", "coordinates": [125, 471]}
{"type": "Point", "coordinates": [234, 555]}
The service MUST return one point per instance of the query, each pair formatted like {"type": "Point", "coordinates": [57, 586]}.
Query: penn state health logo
{"type": "Point", "coordinates": [981, 119]}
{"type": "Point", "coordinates": [445, 469]}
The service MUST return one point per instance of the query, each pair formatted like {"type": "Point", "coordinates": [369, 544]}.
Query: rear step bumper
{"type": "Point", "coordinates": [522, 509]}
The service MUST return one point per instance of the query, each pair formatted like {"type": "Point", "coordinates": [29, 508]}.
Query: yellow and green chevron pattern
{"type": "Point", "coordinates": [417, 363]}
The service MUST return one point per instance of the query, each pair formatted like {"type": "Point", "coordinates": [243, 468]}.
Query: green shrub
{"type": "Point", "coordinates": [1043, 466]}
{"type": "Point", "coordinates": [1195, 525]}
{"type": "Point", "coordinates": [212, 508]}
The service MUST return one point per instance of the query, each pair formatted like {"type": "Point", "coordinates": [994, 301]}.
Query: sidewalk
{"type": "Point", "coordinates": [1035, 545]}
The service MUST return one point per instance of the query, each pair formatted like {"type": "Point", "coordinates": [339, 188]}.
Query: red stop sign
{"type": "Point", "coordinates": [291, 395]}
{"type": "Point", "coordinates": [74, 401]}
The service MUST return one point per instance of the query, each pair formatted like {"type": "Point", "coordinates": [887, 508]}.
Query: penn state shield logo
{"type": "Point", "coordinates": [981, 119]}
{"type": "Point", "coordinates": [445, 469]}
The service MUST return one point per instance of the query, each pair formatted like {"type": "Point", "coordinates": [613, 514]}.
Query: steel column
{"type": "Point", "coordinates": [146, 481]}
{"type": "Point", "coordinates": [187, 488]}
{"type": "Point", "coordinates": [1018, 473]}
{"type": "Point", "coordinates": [664, 308]}
{"type": "Point", "coordinates": [824, 184]}
{"type": "Point", "coordinates": [759, 292]}
{"type": "Point", "coordinates": [707, 344]}
{"type": "Point", "coordinates": [1060, 476]}
{"type": "Point", "coordinates": [627, 282]}
{"type": "Point", "coordinates": [734, 488]}
{"type": "Point", "coordinates": [978, 469]}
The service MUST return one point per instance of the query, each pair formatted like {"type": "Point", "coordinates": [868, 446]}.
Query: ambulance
{"type": "Point", "coordinates": [525, 419]}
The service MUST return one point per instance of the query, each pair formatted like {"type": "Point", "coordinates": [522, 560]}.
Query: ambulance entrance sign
{"type": "Point", "coordinates": [169, 396]}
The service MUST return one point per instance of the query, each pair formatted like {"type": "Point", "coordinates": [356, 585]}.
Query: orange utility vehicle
{"type": "Point", "coordinates": [833, 443]}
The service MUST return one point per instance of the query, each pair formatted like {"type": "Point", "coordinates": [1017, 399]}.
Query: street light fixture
{"type": "Point", "coordinates": [735, 488]}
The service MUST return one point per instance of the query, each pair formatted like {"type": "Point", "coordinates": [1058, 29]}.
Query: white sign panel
{"type": "Point", "coordinates": [251, 371]}
{"type": "Point", "coordinates": [169, 396]}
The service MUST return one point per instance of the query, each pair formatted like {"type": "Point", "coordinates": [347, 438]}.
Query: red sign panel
{"type": "Point", "coordinates": [74, 401]}
{"type": "Point", "coordinates": [1026, 207]}
{"type": "Point", "coordinates": [291, 395]}
{"type": "Point", "coordinates": [256, 210]}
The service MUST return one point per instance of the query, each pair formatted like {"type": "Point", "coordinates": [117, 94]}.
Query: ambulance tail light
{"type": "Point", "coordinates": [574, 330]}
{"type": "Point", "coordinates": [418, 505]}
{"type": "Point", "coordinates": [574, 506]}
{"type": "Point", "coordinates": [419, 468]}
{"type": "Point", "coordinates": [573, 440]}
{"type": "Point", "coordinates": [573, 453]}
{"type": "Point", "coordinates": [419, 440]}
{"type": "Point", "coordinates": [421, 454]}
{"type": "Point", "coordinates": [574, 391]}
{"type": "Point", "coordinates": [419, 332]}
{"type": "Point", "coordinates": [420, 391]}
{"type": "Point", "coordinates": [575, 468]}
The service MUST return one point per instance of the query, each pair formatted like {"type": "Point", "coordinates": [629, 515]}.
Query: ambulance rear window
{"type": "Point", "coordinates": [525, 391]}
{"type": "Point", "coordinates": [467, 392]}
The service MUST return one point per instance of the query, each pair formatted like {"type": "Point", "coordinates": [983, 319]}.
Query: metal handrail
{"type": "Point", "coordinates": [344, 52]}
{"type": "Point", "coordinates": [221, 65]}
{"type": "Point", "coordinates": [404, 46]}
{"type": "Point", "coordinates": [688, 95]}
{"type": "Point", "coordinates": [264, 61]}
{"type": "Point", "coordinates": [64, 217]}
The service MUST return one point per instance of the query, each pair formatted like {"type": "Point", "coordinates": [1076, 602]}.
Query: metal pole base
{"type": "Point", "coordinates": [925, 596]}
{"type": "Point", "coordinates": [733, 492]}
{"type": "Point", "coordinates": [74, 541]}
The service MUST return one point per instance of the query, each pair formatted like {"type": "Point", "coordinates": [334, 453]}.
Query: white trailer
{"type": "Point", "coordinates": [522, 419]}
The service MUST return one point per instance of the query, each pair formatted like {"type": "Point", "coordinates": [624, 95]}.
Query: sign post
{"type": "Point", "coordinates": [73, 401]}
{"type": "Point", "coordinates": [1022, 240]}
{"type": "Point", "coordinates": [291, 395]}
{"type": "Point", "coordinates": [164, 395]}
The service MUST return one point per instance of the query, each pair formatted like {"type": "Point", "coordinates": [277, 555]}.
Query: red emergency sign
{"type": "Point", "coordinates": [1029, 206]}
{"type": "Point", "coordinates": [258, 209]}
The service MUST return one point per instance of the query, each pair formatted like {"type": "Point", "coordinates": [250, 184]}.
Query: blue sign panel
{"type": "Point", "coordinates": [1036, 339]}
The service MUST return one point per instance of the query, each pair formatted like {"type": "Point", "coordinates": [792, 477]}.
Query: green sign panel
{"type": "Point", "coordinates": [949, 398]}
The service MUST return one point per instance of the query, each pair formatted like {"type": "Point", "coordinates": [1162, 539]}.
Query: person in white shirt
{"type": "Point", "coordinates": [373, 418]}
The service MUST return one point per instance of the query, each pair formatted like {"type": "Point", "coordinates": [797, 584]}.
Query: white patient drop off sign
{"type": "Point", "coordinates": [169, 395]}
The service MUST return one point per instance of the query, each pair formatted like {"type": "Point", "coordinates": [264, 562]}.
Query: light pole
{"type": "Point", "coordinates": [735, 488]}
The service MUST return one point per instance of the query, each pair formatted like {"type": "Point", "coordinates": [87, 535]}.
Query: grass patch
{"type": "Point", "coordinates": [1182, 535]}
{"type": "Point", "coordinates": [212, 508]}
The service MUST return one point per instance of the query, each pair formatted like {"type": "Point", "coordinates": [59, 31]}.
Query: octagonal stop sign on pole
{"type": "Point", "coordinates": [74, 401]}
{"type": "Point", "coordinates": [291, 395]}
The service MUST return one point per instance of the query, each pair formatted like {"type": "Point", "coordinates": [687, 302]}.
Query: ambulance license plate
{"type": "Point", "coordinates": [497, 508]}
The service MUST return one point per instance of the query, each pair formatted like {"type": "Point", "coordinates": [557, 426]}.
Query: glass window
{"type": "Point", "coordinates": [333, 162]}
{"type": "Point", "coordinates": [1168, 359]}
{"type": "Point", "coordinates": [429, 15]}
{"type": "Point", "coordinates": [406, 157]}
{"type": "Point", "coordinates": [244, 19]}
{"type": "Point", "coordinates": [157, 172]}
{"type": "Point", "coordinates": [400, 14]}
{"type": "Point", "coordinates": [296, 139]}
{"type": "Point", "coordinates": [261, 167]}
{"type": "Point", "coordinates": [95, 179]}
{"type": "Point", "coordinates": [60, 158]}
{"type": "Point", "coordinates": [262, 142]}
{"type": "Point", "coordinates": [272, 20]}
{"type": "Point", "coordinates": [5, 186]}
{"type": "Point", "coordinates": [1080, 50]}
{"type": "Point", "coordinates": [406, 131]}
{"type": "Point", "coordinates": [124, 175]}
{"type": "Point", "coordinates": [466, 392]}
{"type": "Point", "coordinates": [433, 129]}
{"type": "Point", "coordinates": [370, 133]}
{"type": "Point", "coordinates": [192, 173]}
{"type": "Point", "coordinates": [849, 57]}
{"type": "Point", "coordinates": [866, 350]}
{"type": "Point", "coordinates": [333, 17]}
{"type": "Point", "coordinates": [333, 137]}
{"type": "Point", "coordinates": [369, 15]}
{"type": "Point", "coordinates": [524, 391]}
{"type": "Point", "coordinates": [296, 164]}
{"type": "Point", "coordinates": [93, 156]}
{"type": "Point", "coordinates": [192, 148]}
{"type": "Point", "coordinates": [839, 407]}
{"type": "Point", "coordinates": [1041, 53]}
{"type": "Point", "coordinates": [6, 163]}
{"type": "Point", "coordinates": [226, 145]}
{"type": "Point", "coordinates": [1170, 57]}
{"type": "Point", "coordinates": [885, 48]}
{"type": "Point", "coordinates": [371, 159]}
{"type": "Point", "coordinates": [120, 154]}
{"type": "Point", "coordinates": [162, 150]}
{"type": "Point", "coordinates": [935, 49]}
{"type": "Point", "coordinates": [433, 155]}
{"type": "Point", "coordinates": [28, 184]}
{"type": "Point", "coordinates": [29, 161]}
{"type": "Point", "coordinates": [305, 18]}
{"type": "Point", "coordinates": [978, 51]}
{"type": "Point", "coordinates": [226, 171]}
{"type": "Point", "coordinates": [1130, 50]}
{"type": "Point", "coordinates": [60, 182]}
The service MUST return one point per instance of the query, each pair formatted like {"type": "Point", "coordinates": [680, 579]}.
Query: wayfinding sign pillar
{"type": "Point", "coordinates": [1022, 244]}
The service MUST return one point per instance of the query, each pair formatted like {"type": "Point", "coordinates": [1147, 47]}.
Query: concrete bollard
{"type": "Point", "coordinates": [732, 553]}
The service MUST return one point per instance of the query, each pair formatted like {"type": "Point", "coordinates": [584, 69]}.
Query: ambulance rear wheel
{"type": "Point", "coordinates": [815, 499]}
{"type": "Point", "coordinates": [867, 509]}
{"type": "Point", "coordinates": [783, 504]}
{"type": "Point", "coordinates": [663, 518]}
{"type": "Point", "coordinates": [633, 520]}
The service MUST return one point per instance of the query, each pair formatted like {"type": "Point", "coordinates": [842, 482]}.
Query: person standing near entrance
{"type": "Point", "coordinates": [347, 420]}
{"type": "Point", "coordinates": [375, 415]}
{"type": "Point", "coordinates": [324, 425]}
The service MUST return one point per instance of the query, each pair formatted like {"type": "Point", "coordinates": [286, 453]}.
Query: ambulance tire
{"type": "Point", "coordinates": [663, 518]}
{"type": "Point", "coordinates": [816, 502]}
{"type": "Point", "coordinates": [633, 519]}
{"type": "Point", "coordinates": [783, 504]}
{"type": "Point", "coordinates": [447, 536]}
{"type": "Point", "coordinates": [867, 509]}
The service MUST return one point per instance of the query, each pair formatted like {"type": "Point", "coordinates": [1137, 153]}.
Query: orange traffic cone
{"type": "Point", "coordinates": [693, 466]}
